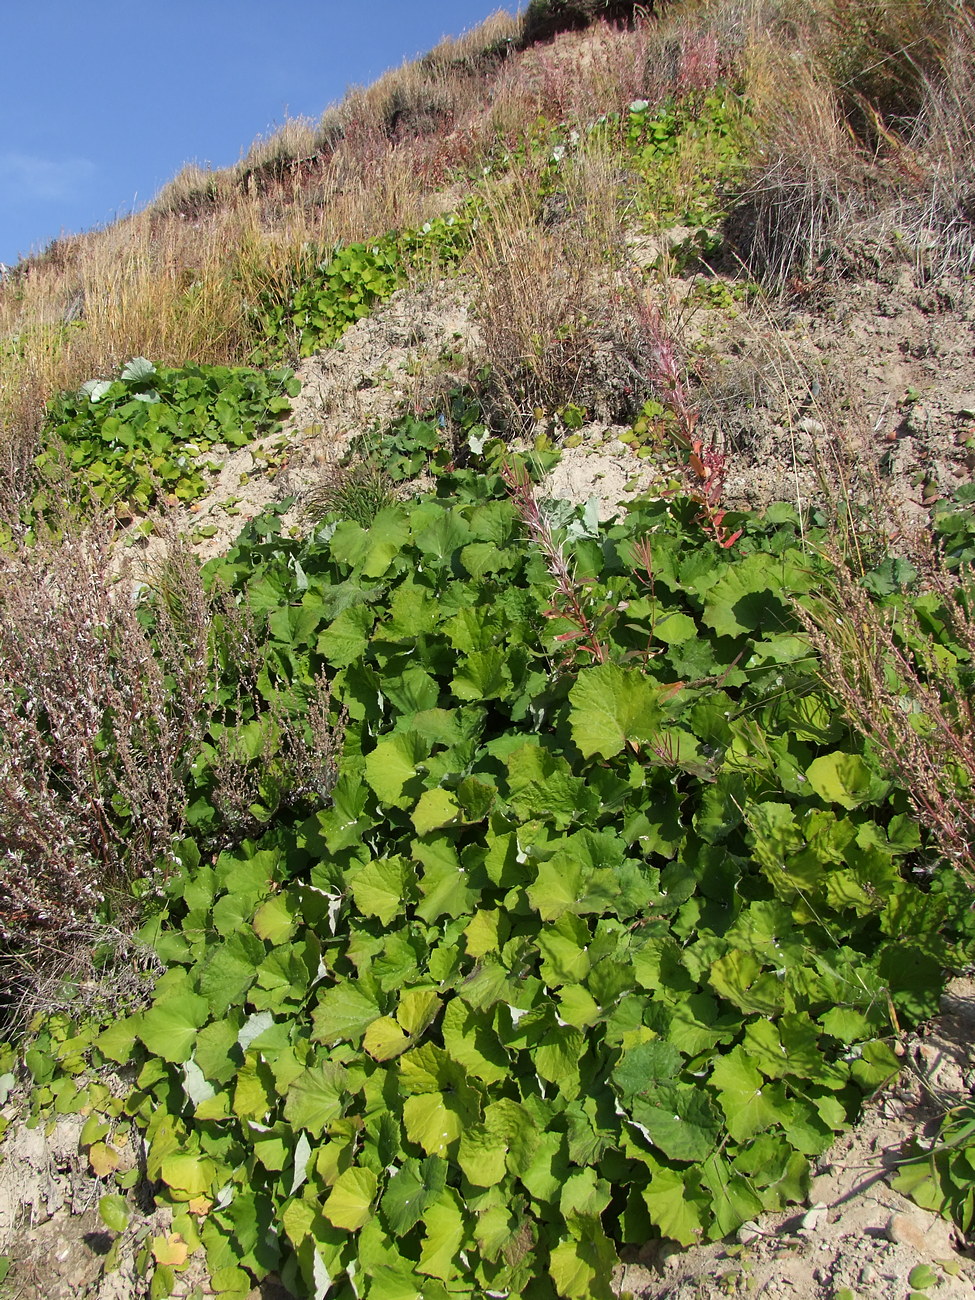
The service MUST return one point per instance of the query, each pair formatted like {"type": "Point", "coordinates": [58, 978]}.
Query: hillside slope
{"type": "Point", "coordinates": [545, 822]}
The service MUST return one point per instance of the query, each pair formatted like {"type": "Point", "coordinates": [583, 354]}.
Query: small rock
{"type": "Point", "coordinates": [669, 1256]}
{"type": "Point", "coordinates": [815, 1217]}
{"type": "Point", "coordinates": [928, 1235]}
{"type": "Point", "coordinates": [902, 1230]}
{"type": "Point", "coordinates": [918, 420]}
{"type": "Point", "coordinates": [748, 1232]}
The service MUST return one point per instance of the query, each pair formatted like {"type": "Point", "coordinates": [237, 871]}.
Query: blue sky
{"type": "Point", "coordinates": [102, 102]}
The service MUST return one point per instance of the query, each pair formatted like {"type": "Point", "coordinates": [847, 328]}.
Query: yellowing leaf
{"type": "Point", "coordinates": [103, 1159]}
{"type": "Point", "coordinates": [384, 1039]}
{"type": "Point", "coordinates": [350, 1201]}
{"type": "Point", "coordinates": [171, 1250]}
{"type": "Point", "coordinates": [417, 1009]}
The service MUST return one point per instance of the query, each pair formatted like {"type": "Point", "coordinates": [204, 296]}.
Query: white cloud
{"type": "Point", "coordinates": [25, 176]}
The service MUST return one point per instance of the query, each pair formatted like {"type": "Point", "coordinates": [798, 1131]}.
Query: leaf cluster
{"type": "Point", "coordinates": [148, 432]}
{"type": "Point", "coordinates": [578, 955]}
{"type": "Point", "coordinates": [939, 1173]}
{"type": "Point", "coordinates": [688, 152]}
{"type": "Point", "coordinates": [343, 286]}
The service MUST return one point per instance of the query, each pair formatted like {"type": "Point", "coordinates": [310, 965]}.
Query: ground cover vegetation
{"type": "Point", "coordinates": [515, 888]}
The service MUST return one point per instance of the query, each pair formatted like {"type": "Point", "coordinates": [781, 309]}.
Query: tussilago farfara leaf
{"type": "Point", "coordinates": [169, 1028]}
{"type": "Point", "coordinates": [349, 1203]}
{"type": "Point", "coordinates": [613, 706]}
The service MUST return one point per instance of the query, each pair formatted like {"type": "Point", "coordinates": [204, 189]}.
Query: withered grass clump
{"type": "Point", "coordinates": [865, 115]}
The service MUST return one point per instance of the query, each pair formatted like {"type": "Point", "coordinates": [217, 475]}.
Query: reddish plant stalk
{"type": "Point", "coordinates": [567, 601]}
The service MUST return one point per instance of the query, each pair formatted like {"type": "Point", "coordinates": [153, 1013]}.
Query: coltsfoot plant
{"type": "Point", "coordinates": [149, 432]}
{"type": "Point", "coordinates": [582, 953]}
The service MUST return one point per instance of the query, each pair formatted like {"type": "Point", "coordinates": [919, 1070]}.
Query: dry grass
{"type": "Point", "coordinates": [541, 299]}
{"type": "Point", "coordinates": [866, 124]}
{"type": "Point", "coordinates": [92, 754]}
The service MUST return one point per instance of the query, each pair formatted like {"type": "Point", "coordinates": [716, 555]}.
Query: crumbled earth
{"type": "Point", "coordinates": [393, 361]}
{"type": "Point", "coordinates": [864, 388]}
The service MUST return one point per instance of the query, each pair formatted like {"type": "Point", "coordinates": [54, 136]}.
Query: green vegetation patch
{"type": "Point", "coordinates": [128, 441]}
{"type": "Point", "coordinates": [581, 953]}
{"type": "Point", "coordinates": [689, 153]}
{"type": "Point", "coordinates": [344, 285]}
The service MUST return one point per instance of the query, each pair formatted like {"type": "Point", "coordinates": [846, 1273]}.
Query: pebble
{"type": "Point", "coordinates": [748, 1232]}
{"type": "Point", "coordinates": [903, 1231]}
{"type": "Point", "coordinates": [930, 1237]}
{"type": "Point", "coordinates": [815, 1217]}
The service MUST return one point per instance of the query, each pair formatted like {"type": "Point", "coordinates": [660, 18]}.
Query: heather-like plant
{"type": "Point", "coordinates": [125, 718]}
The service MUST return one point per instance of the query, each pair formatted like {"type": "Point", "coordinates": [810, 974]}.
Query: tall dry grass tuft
{"type": "Point", "coordinates": [865, 111]}
{"type": "Point", "coordinates": [542, 272]}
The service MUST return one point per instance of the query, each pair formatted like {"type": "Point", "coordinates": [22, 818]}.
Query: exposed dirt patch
{"type": "Point", "coordinates": [396, 360]}
{"type": "Point", "coordinates": [869, 387]}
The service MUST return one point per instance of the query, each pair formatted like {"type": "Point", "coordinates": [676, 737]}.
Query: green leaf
{"type": "Point", "coordinates": [744, 597]}
{"type": "Point", "coordinates": [345, 639]}
{"type": "Point", "coordinates": [612, 706]}
{"type": "Point", "coordinates": [541, 784]}
{"type": "Point", "coordinates": [646, 1065]}
{"type": "Point", "coordinates": [844, 779]}
{"type": "Point", "coordinates": [444, 1237]}
{"type": "Point", "coordinates": [433, 1122]}
{"type": "Point", "coordinates": [582, 1268]}
{"type": "Point", "coordinates": [349, 1203]}
{"type": "Point", "coordinates": [748, 1107]}
{"type": "Point", "coordinates": [115, 1212]}
{"type": "Point", "coordinates": [681, 1121]}
{"type": "Point", "coordinates": [343, 1013]}
{"type": "Point", "coordinates": [923, 1276]}
{"type": "Point", "coordinates": [410, 1191]}
{"type": "Point", "coordinates": [169, 1028]}
{"type": "Point", "coordinates": [380, 887]}
{"type": "Point", "coordinates": [394, 763]}
{"type": "Point", "coordinates": [506, 1140]}
{"type": "Point", "coordinates": [229, 970]}
{"type": "Point", "coordinates": [484, 675]}
{"type": "Point", "coordinates": [274, 921]}
{"type": "Point", "coordinates": [558, 1055]}
{"type": "Point", "coordinates": [565, 951]}
{"type": "Point", "coordinates": [676, 1204]}
{"type": "Point", "coordinates": [435, 808]}
{"type": "Point", "coordinates": [188, 1173]}
{"type": "Point", "coordinates": [316, 1097]}
{"type": "Point", "coordinates": [384, 1039]}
